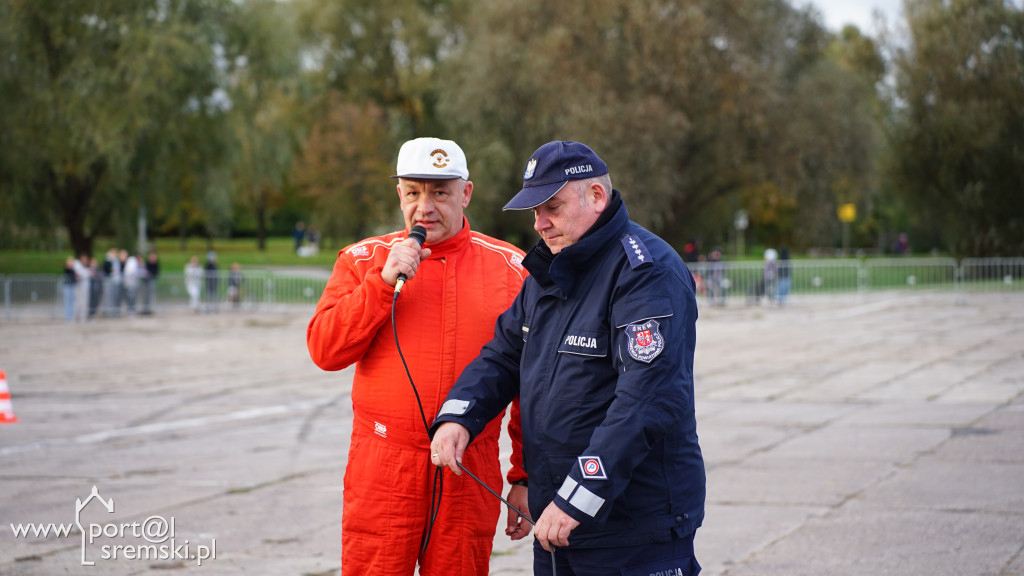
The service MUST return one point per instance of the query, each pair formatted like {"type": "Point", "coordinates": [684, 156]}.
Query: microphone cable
{"type": "Point", "coordinates": [438, 483]}
{"type": "Point", "coordinates": [437, 487]}
{"type": "Point", "coordinates": [419, 234]}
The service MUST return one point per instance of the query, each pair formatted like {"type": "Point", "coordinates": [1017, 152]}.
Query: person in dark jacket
{"type": "Point", "coordinates": [599, 345]}
{"type": "Point", "coordinates": [149, 282]}
{"type": "Point", "coordinates": [69, 279]}
{"type": "Point", "coordinates": [212, 276]}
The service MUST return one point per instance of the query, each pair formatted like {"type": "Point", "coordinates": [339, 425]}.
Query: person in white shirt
{"type": "Point", "coordinates": [193, 282]}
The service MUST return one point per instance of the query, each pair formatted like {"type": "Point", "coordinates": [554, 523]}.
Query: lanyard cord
{"type": "Point", "coordinates": [438, 486]}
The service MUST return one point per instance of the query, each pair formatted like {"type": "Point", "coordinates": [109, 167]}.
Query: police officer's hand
{"type": "Point", "coordinates": [518, 527]}
{"type": "Point", "coordinates": [448, 445]}
{"type": "Point", "coordinates": [405, 258]}
{"type": "Point", "coordinates": [553, 527]}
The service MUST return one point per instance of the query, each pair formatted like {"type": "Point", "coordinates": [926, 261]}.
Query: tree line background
{"type": "Point", "coordinates": [228, 118]}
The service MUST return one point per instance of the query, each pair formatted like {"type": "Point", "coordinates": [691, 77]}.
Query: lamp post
{"type": "Point", "coordinates": [740, 221]}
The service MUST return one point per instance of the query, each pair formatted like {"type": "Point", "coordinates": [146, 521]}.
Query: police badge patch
{"type": "Point", "coordinates": [645, 341]}
{"type": "Point", "coordinates": [531, 167]}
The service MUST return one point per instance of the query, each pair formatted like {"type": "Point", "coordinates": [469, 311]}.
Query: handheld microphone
{"type": "Point", "coordinates": [419, 234]}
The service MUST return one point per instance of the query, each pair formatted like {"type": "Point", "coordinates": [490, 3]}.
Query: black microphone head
{"type": "Point", "coordinates": [418, 233]}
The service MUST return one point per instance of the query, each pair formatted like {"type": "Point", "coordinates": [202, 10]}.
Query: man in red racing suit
{"type": "Point", "coordinates": [458, 284]}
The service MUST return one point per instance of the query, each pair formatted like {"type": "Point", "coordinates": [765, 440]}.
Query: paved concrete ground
{"type": "Point", "coordinates": [843, 436]}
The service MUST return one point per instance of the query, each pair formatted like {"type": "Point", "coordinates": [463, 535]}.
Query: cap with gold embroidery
{"type": "Point", "coordinates": [431, 159]}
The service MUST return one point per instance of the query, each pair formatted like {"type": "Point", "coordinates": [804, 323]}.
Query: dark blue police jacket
{"type": "Point", "coordinates": [599, 346]}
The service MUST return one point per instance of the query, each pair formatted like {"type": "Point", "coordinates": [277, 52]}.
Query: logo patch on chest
{"type": "Point", "coordinates": [645, 341]}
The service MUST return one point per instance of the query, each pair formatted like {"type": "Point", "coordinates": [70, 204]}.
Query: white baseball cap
{"type": "Point", "coordinates": [431, 159]}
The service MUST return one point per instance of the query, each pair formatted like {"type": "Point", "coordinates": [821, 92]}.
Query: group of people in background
{"type": "Point", "coordinates": [93, 287]}
{"type": "Point", "coordinates": [772, 285]}
{"type": "Point", "coordinates": [202, 283]}
{"type": "Point", "coordinates": [123, 283]}
{"type": "Point", "coordinates": [301, 234]}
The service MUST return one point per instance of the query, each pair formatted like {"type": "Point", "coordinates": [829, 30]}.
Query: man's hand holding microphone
{"type": "Point", "coordinates": [405, 258]}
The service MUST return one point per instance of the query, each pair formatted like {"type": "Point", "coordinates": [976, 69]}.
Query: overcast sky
{"type": "Point", "coordinates": [839, 13]}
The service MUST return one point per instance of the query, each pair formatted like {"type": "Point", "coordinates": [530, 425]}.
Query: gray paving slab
{"type": "Point", "coordinates": [890, 543]}
{"type": "Point", "coordinates": [792, 414]}
{"type": "Point", "coordinates": [1009, 417]}
{"type": "Point", "coordinates": [954, 485]}
{"type": "Point", "coordinates": [879, 434]}
{"type": "Point", "coordinates": [724, 444]}
{"type": "Point", "coordinates": [796, 482]}
{"type": "Point", "coordinates": [893, 444]}
{"type": "Point", "coordinates": [924, 414]}
{"type": "Point", "coordinates": [1016, 565]}
{"type": "Point", "coordinates": [733, 531]}
{"type": "Point", "coordinates": [984, 444]}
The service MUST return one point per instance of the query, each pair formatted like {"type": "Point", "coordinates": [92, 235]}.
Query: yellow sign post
{"type": "Point", "coordinates": [847, 213]}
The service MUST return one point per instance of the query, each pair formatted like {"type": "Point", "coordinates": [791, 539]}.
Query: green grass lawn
{"type": "Point", "coordinates": [173, 256]}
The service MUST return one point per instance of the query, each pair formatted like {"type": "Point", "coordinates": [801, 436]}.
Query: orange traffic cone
{"type": "Point", "coordinates": [6, 408]}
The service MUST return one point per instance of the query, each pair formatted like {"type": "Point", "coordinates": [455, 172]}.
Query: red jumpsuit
{"type": "Point", "coordinates": [445, 314]}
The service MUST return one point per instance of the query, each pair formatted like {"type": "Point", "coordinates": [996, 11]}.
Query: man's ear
{"type": "Point", "coordinates": [597, 196]}
{"type": "Point", "coordinates": [467, 192]}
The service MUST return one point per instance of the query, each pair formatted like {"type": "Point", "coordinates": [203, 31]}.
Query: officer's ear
{"type": "Point", "coordinates": [597, 196]}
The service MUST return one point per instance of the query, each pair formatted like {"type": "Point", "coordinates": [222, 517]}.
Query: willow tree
{"type": "Point", "coordinates": [267, 93]}
{"type": "Point", "coordinates": [89, 86]}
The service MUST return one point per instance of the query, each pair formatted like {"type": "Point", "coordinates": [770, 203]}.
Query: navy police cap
{"type": "Point", "coordinates": [550, 167]}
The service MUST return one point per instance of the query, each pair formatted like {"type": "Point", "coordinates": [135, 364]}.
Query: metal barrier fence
{"type": "Point", "coordinates": [44, 295]}
{"type": "Point", "coordinates": [254, 289]}
{"type": "Point", "coordinates": [747, 280]}
{"type": "Point", "coordinates": [992, 274]}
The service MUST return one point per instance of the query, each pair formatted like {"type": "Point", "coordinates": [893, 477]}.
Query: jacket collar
{"type": "Point", "coordinates": [453, 245]}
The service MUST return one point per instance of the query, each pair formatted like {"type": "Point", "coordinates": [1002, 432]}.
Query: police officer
{"type": "Point", "coordinates": [599, 346]}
